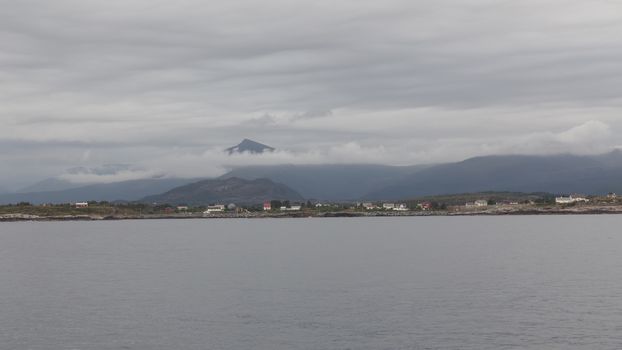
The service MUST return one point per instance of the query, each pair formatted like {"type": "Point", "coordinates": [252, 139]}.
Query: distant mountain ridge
{"type": "Point", "coordinates": [249, 146]}
{"type": "Point", "coordinates": [558, 174]}
{"type": "Point", "coordinates": [58, 183]}
{"type": "Point", "coordinates": [594, 174]}
{"type": "Point", "coordinates": [229, 190]}
{"type": "Point", "coordinates": [119, 191]}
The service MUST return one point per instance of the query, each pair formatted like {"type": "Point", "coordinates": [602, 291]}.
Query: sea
{"type": "Point", "coordinates": [499, 282]}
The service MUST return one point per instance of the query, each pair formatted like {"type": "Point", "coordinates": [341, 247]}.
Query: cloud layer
{"type": "Point", "coordinates": [153, 82]}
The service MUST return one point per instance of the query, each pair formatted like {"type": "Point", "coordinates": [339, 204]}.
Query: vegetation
{"type": "Point", "coordinates": [498, 202]}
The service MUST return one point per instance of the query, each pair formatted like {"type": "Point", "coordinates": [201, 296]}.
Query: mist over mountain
{"type": "Point", "coordinates": [559, 174]}
{"type": "Point", "coordinates": [226, 190]}
{"type": "Point", "coordinates": [119, 191]}
{"type": "Point", "coordinates": [597, 174]}
{"type": "Point", "coordinates": [51, 184]}
{"type": "Point", "coordinates": [82, 176]}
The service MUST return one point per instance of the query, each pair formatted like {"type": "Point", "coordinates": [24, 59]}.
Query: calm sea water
{"type": "Point", "coordinates": [540, 282]}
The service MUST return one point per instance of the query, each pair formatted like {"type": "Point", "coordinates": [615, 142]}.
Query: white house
{"type": "Point", "coordinates": [570, 199]}
{"type": "Point", "coordinates": [82, 205]}
{"type": "Point", "coordinates": [481, 203]}
{"type": "Point", "coordinates": [292, 208]}
{"type": "Point", "coordinates": [218, 208]}
{"type": "Point", "coordinates": [388, 206]}
{"type": "Point", "coordinates": [401, 207]}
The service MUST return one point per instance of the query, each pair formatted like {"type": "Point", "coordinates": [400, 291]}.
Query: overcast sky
{"type": "Point", "coordinates": [166, 85]}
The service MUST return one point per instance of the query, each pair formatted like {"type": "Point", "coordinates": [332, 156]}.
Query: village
{"type": "Point", "coordinates": [468, 204]}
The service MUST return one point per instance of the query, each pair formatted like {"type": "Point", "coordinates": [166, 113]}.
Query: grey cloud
{"type": "Point", "coordinates": [135, 79]}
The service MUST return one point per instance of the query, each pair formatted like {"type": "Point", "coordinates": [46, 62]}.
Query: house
{"type": "Point", "coordinates": [612, 195]}
{"type": "Point", "coordinates": [425, 206]}
{"type": "Point", "coordinates": [291, 208]}
{"type": "Point", "coordinates": [267, 206]}
{"type": "Point", "coordinates": [388, 206]}
{"type": "Point", "coordinates": [570, 199]}
{"type": "Point", "coordinates": [369, 206]}
{"type": "Point", "coordinates": [82, 205]}
{"type": "Point", "coordinates": [478, 203]}
{"type": "Point", "coordinates": [400, 207]}
{"type": "Point", "coordinates": [182, 208]}
{"type": "Point", "coordinates": [218, 208]}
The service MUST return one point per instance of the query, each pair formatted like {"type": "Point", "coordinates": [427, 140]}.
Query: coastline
{"type": "Point", "coordinates": [587, 210]}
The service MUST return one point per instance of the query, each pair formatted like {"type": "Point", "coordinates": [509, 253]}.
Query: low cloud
{"type": "Point", "coordinates": [108, 174]}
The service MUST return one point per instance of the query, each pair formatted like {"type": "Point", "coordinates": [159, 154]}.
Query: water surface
{"type": "Point", "coordinates": [529, 282]}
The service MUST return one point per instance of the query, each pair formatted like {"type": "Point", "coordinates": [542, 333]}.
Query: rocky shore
{"type": "Point", "coordinates": [491, 211]}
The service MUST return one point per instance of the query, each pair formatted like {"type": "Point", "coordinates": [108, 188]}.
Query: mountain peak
{"type": "Point", "coordinates": [249, 146]}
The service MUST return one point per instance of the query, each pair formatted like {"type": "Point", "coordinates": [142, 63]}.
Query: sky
{"type": "Point", "coordinates": [165, 86]}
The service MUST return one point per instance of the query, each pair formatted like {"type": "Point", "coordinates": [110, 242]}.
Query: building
{"type": "Point", "coordinates": [369, 206]}
{"type": "Point", "coordinates": [267, 206]}
{"type": "Point", "coordinates": [218, 208]}
{"type": "Point", "coordinates": [425, 206]}
{"type": "Point", "coordinates": [388, 206]}
{"type": "Point", "coordinates": [169, 210]}
{"type": "Point", "coordinates": [401, 207]}
{"type": "Point", "coordinates": [478, 203]}
{"type": "Point", "coordinates": [291, 208]}
{"type": "Point", "coordinates": [570, 199]}
{"type": "Point", "coordinates": [82, 205]}
{"type": "Point", "coordinates": [182, 208]}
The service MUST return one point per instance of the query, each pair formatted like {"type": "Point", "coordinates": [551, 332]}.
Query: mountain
{"type": "Point", "coordinates": [230, 190]}
{"type": "Point", "coordinates": [249, 146]}
{"type": "Point", "coordinates": [598, 174]}
{"type": "Point", "coordinates": [122, 191]}
{"type": "Point", "coordinates": [560, 174]}
{"type": "Point", "coordinates": [50, 184]}
{"type": "Point", "coordinates": [58, 183]}
{"type": "Point", "coordinates": [332, 182]}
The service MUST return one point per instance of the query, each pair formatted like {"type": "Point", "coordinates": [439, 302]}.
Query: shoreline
{"type": "Point", "coordinates": [17, 217]}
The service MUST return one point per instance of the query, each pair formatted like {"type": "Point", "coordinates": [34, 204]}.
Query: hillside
{"type": "Point", "coordinates": [553, 174]}
{"type": "Point", "coordinates": [230, 190]}
{"type": "Point", "coordinates": [333, 182]}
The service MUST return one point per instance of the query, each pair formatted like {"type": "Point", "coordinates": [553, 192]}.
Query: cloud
{"type": "Point", "coordinates": [108, 174]}
{"type": "Point", "coordinates": [153, 82]}
{"type": "Point", "coordinates": [591, 132]}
